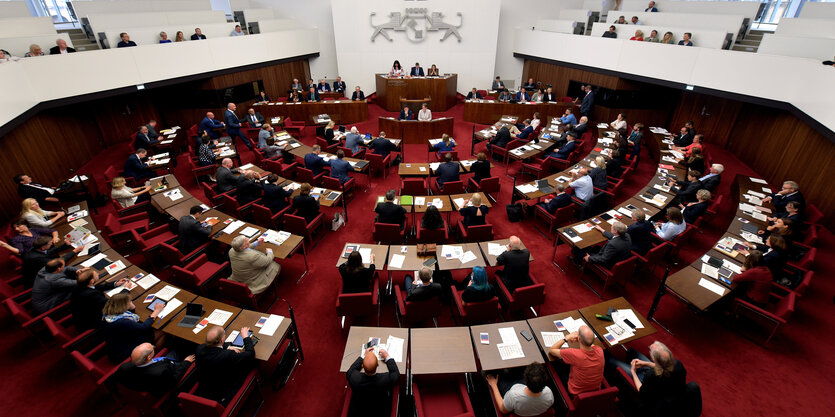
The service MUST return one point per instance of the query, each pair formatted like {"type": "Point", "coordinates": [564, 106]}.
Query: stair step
{"type": "Point", "coordinates": [748, 42]}
{"type": "Point", "coordinates": [744, 48]}
{"type": "Point", "coordinates": [70, 31]}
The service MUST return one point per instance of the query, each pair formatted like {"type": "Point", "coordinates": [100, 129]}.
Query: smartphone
{"type": "Point", "coordinates": [629, 323]}
{"type": "Point", "coordinates": [526, 334]}
{"type": "Point", "coordinates": [485, 339]}
{"type": "Point", "coordinates": [596, 220]}
{"type": "Point", "coordinates": [429, 262]}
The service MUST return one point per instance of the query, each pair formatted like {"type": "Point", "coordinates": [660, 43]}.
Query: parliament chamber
{"type": "Point", "coordinates": [560, 223]}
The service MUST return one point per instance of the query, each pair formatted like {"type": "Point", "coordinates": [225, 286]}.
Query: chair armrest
{"type": "Point", "coordinates": [401, 302]}
{"type": "Point", "coordinates": [133, 217]}
{"type": "Point", "coordinates": [458, 302]}
{"type": "Point", "coordinates": [504, 291]}
{"type": "Point", "coordinates": [640, 258]}
{"type": "Point", "coordinates": [51, 313]}
{"type": "Point", "coordinates": [627, 378]}
{"type": "Point", "coordinates": [72, 344]}
{"type": "Point", "coordinates": [155, 231]}
{"type": "Point", "coordinates": [765, 313]}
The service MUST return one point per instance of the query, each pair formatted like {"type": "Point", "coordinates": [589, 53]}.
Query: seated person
{"type": "Point", "coordinates": [295, 97]}
{"type": "Point", "coordinates": [598, 173]}
{"type": "Point", "coordinates": [640, 232]}
{"type": "Point", "coordinates": [549, 96]}
{"type": "Point", "coordinates": [329, 135]}
{"type": "Point", "coordinates": [775, 255]}
{"type": "Point", "coordinates": [793, 212]}
{"type": "Point", "coordinates": [447, 144]}
{"type": "Point", "coordinates": [312, 95]}
{"type": "Point", "coordinates": [296, 85]}
{"type": "Point", "coordinates": [143, 140]}
{"type": "Point", "coordinates": [340, 168]}
{"type": "Point", "coordinates": [353, 141]}
{"type": "Point", "coordinates": [357, 94]}
{"type": "Point", "coordinates": [561, 199]}
{"type": "Point", "coordinates": [526, 397]}
{"type": "Point", "coordinates": [28, 189]}
{"type": "Point", "coordinates": [433, 71]}
{"type": "Point", "coordinates": [202, 134]}
{"type": "Point", "coordinates": [314, 162]}
{"type": "Point", "coordinates": [480, 168]}
{"type": "Point", "coordinates": [61, 48]}
{"type": "Point", "coordinates": [537, 95]}
{"type": "Point", "coordinates": [371, 392]}
{"type": "Point", "coordinates": [249, 187]}
{"type": "Point", "coordinates": [653, 37]}
{"type": "Point", "coordinates": [687, 150]}
{"type": "Point", "coordinates": [193, 233]}
{"type": "Point", "coordinates": [522, 96]}
{"type": "Point", "coordinates": [526, 131]}
{"type": "Point", "coordinates": [127, 196]}
{"type": "Point", "coordinates": [619, 123]}
{"type": "Point", "coordinates": [651, 8]}
{"type": "Point", "coordinates": [53, 285]}
{"type": "Point", "coordinates": [639, 36]}
{"type": "Point", "coordinates": [658, 380]}
{"type": "Point", "coordinates": [530, 84]}
{"type": "Point", "coordinates": [406, 114]}
{"type": "Point", "coordinates": [684, 138]}
{"type": "Point", "coordinates": [611, 32]}
{"type": "Point", "coordinates": [122, 329]}
{"type": "Point", "coordinates": [356, 277]}
{"type": "Point", "coordinates": [582, 184]}
{"type": "Point", "coordinates": [339, 85]}
{"type": "Point", "coordinates": [226, 180]}
{"type": "Point", "coordinates": [789, 192]}
{"type": "Point", "coordinates": [686, 190]}
{"type": "Point", "coordinates": [447, 171]}
{"type": "Point", "coordinates": [136, 166]}
{"type": "Point", "coordinates": [417, 71]}
{"type": "Point", "coordinates": [311, 84]}
{"type": "Point", "coordinates": [568, 118]}
{"type": "Point", "coordinates": [262, 97]}
{"type": "Point", "coordinates": [497, 85]}
{"type": "Point", "coordinates": [42, 251]}
{"type": "Point", "coordinates": [617, 248]}
{"type": "Point", "coordinates": [614, 165]}
{"type": "Point", "coordinates": [423, 288]}
{"type": "Point", "coordinates": [424, 114]}
{"type": "Point", "coordinates": [125, 41]}
{"type": "Point", "coordinates": [685, 40]}
{"type": "Point", "coordinates": [25, 237]}
{"type": "Point", "coordinates": [382, 146]}
{"type": "Point", "coordinates": [501, 139]}
{"type": "Point", "coordinates": [566, 149]}
{"type": "Point", "coordinates": [254, 268]}
{"type": "Point", "coordinates": [475, 214]}
{"type": "Point", "coordinates": [586, 362]}
{"type": "Point", "coordinates": [673, 227]}
{"type": "Point", "coordinates": [305, 205]}
{"type": "Point", "coordinates": [220, 370]}
{"type": "Point", "coordinates": [432, 219]}
{"type": "Point", "coordinates": [516, 261]}
{"type": "Point", "coordinates": [275, 197]}
{"type": "Point", "coordinates": [197, 35]}
{"type": "Point", "coordinates": [478, 288]}
{"type": "Point", "coordinates": [31, 212]}
{"type": "Point", "coordinates": [205, 155]}
{"type": "Point", "coordinates": [209, 124]}
{"type": "Point", "coordinates": [692, 211]}
{"type": "Point", "coordinates": [474, 95]}
{"type": "Point", "coordinates": [271, 151]}
{"type": "Point", "coordinates": [323, 87]}
{"type": "Point", "coordinates": [390, 213]}
{"type": "Point", "coordinates": [754, 283]}
{"type": "Point", "coordinates": [695, 161]}
{"type": "Point", "coordinates": [145, 373]}
{"type": "Point", "coordinates": [87, 299]}
{"type": "Point", "coordinates": [581, 126]}
{"type": "Point", "coordinates": [505, 96]}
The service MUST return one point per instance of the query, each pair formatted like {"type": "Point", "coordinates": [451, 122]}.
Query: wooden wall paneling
{"type": "Point", "coordinates": [277, 78]}
{"type": "Point", "coordinates": [120, 117]}
{"type": "Point", "coordinates": [559, 76]}
{"type": "Point", "coordinates": [713, 117]}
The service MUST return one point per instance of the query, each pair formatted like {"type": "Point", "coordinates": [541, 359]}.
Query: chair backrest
{"type": "Point", "coordinates": [110, 172]}
{"type": "Point", "coordinates": [594, 403]}
{"type": "Point", "coordinates": [295, 224]}
{"type": "Point", "coordinates": [237, 293]}
{"type": "Point", "coordinates": [432, 235]}
{"type": "Point", "coordinates": [229, 203]}
{"type": "Point", "coordinates": [209, 192]}
{"type": "Point", "coordinates": [17, 311]}
{"type": "Point", "coordinates": [623, 270]}
{"type": "Point", "coordinates": [185, 278]}
{"type": "Point", "coordinates": [713, 208]}
{"type": "Point", "coordinates": [305, 175]}
{"type": "Point", "coordinates": [453, 187]}
{"type": "Point", "coordinates": [142, 401]}
{"type": "Point", "coordinates": [375, 161]}
{"type": "Point", "coordinates": [355, 304]}
{"type": "Point", "coordinates": [785, 307]}
{"type": "Point", "coordinates": [86, 364]}
{"type": "Point", "coordinates": [482, 311]}
{"type": "Point", "coordinates": [811, 236]}
{"type": "Point", "coordinates": [259, 155]}
{"type": "Point", "coordinates": [59, 333]}
{"type": "Point", "coordinates": [111, 224]}
{"type": "Point", "coordinates": [808, 259]}
{"type": "Point", "coordinates": [813, 214]}
{"type": "Point", "coordinates": [529, 296]}
{"type": "Point", "coordinates": [420, 311]}
{"type": "Point", "coordinates": [480, 233]}
{"type": "Point", "coordinates": [489, 185]}
{"type": "Point", "coordinates": [322, 143]}
{"type": "Point", "coordinates": [804, 283]}
{"type": "Point", "coordinates": [387, 233]}
{"type": "Point", "coordinates": [273, 166]}
{"type": "Point", "coordinates": [194, 406]}
{"type": "Point", "coordinates": [413, 186]}
{"type": "Point", "coordinates": [563, 214]}
{"type": "Point", "coordinates": [453, 153]}
{"type": "Point", "coordinates": [657, 253]}
{"type": "Point", "coordinates": [170, 254]}
{"type": "Point", "coordinates": [263, 216]}
{"type": "Point", "coordinates": [347, 151]}
{"type": "Point", "coordinates": [331, 183]}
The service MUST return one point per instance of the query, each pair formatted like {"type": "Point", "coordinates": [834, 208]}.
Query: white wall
{"type": "Point", "coordinates": [25, 26]}
{"type": "Point", "coordinates": [14, 9]}
{"type": "Point", "coordinates": [819, 49]}
{"type": "Point", "coordinates": [818, 10]}
{"type": "Point", "coordinates": [83, 8]}
{"type": "Point", "coordinates": [472, 59]}
{"type": "Point", "coordinates": [808, 27]}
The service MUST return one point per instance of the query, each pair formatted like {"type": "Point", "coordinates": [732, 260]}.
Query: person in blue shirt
{"type": "Point", "coordinates": [582, 184]}
{"type": "Point", "coordinates": [340, 167]}
{"type": "Point", "coordinates": [447, 171]}
{"type": "Point", "coordinates": [686, 39]}
{"type": "Point", "coordinates": [562, 199]}
{"type": "Point", "coordinates": [353, 141]}
{"type": "Point", "coordinates": [209, 124]}
{"type": "Point", "coordinates": [447, 144]}
{"type": "Point", "coordinates": [314, 162]}
{"type": "Point", "coordinates": [125, 42]}
{"type": "Point", "coordinates": [566, 149]}
{"type": "Point", "coordinates": [568, 118]}
{"type": "Point", "coordinates": [163, 38]}
{"type": "Point", "coordinates": [634, 139]}
{"type": "Point", "coordinates": [673, 227]}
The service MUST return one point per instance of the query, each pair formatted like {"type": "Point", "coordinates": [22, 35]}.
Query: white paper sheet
{"type": "Point", "coordinates": [271, 325]}
{"type": "Point", "coordinates": [712, 286]}
{"type": "Point", "coordinates": [167, 292]}
{"type": "Point", "coordinates": [235, 225]}
{"type": "Point", "coordinates": [394, 347]}
{"type": "Point", "coordinates": [629, 314]}
{"type": "Point", "coordinates": [249, 231]}
{"type": "Point", "coordinates": [397, 261]}
{"type": "Point", "coordinates": [757, 180]}
{"type": "Point", "coordinates": [366, 255]}
{"type": "Point", "coordinates": [468, 256]}
{"type": "Point", "coordinates": [509, 351]}
{"type": "Point", "coordinates": [148, 281]}
{"type": "Point", "coordinates": [90, 262]}
{"type": "Point", "coordinates": [549, 338]}
{"type": "Point", "coordinates": [508, 335]}
{"type": "Point", "coordinates": [169, 307]}
{"type": "Point", "coordinates": [219, 317]}
{"type": "Point", "coordinates": [496, 249]}
{"type": "Point", "coordinates": [419, 201]}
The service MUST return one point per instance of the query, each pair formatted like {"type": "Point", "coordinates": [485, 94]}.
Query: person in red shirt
{"type": "Point", "coordinates": [755, 279]}
{"type": "Point", "coordinates": [586, 363]}
{"type": "Point", "coordinates": [697, 143]}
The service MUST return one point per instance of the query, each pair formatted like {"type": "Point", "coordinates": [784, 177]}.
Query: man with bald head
{"type": "Point", "coordinates": [233, 125]}
{"type": "Point", "coordinates": [209, 124]}
{"type": "Point", "coordinates": [371, 391]}
{"type": "Point", "coordinates": [225, 176]}
{"type": "Point", "coordinates": [586, 362]}
{"type": "Point", "coordinates": [516, 260]}
{"type": "Point", "coordinates": [220, 370]}
{"type": "Point", "coordinates": [61, 48]}
{"type": "Point", "coordinates": [145, 373]}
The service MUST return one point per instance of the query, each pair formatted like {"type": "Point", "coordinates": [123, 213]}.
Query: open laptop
{"type": "Point", "coordinates": [544, 187]}
{"type": "Point", "coordinates": [194, 312]}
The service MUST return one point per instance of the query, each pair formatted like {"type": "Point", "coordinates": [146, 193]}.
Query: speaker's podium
{"type": "Point", "coordinates": [443, 90]}
{"type": "Point", "coordinates": [415, 131]}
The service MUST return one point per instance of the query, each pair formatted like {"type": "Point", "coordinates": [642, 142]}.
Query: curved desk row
{"type": "Point", "coordinates": [486, 112]}
{"type": "Point", "coordinates": [340, 111]}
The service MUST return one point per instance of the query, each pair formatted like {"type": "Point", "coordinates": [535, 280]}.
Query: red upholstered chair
{"type": "Point", "coordinates": [475, 313]}
{"type": "Point", "coordinates": [440, 158]}
{"type": "Point", "coordinates": [299, 226]}
{"type": "Point", "coordinates": [562, 216]}
{"type": "Point", "coordinates": [412, 313]}
{"type": "Point", "coordinates": [359, 304]}
{"type": "Point", "coordinates": [63, 331]}
{"type": "Point", "coordinates": [440, 235]}
{"type": "Point", "coordinates": [483, 93]}
{"type": "Point", "coordinates": [389, 234]}
{"type": "Point", "coordinates": [198, 171]}
{"type": "Point", "coordinates": [332, 183]}
{"type": "Point", "coordinates": [293, 128]}
{"type": "Point", "coordinates": [193, 406]}
{"type": "Point", "coordinates": [210, 193]}
{"type": "Point", "coordinates": [653, 257]}
{"type": "Point", "coordinates": [677, 241]}
{"type": "Point", "coordinates": [20, 307]}
{"type": "Point", "coordinates": [395, 401]}
{"type": "Point", "coordinates": [620, 273]}
{"type": "Point", "coordinates": [231, 205]}
{"type": "Point", "coordinates": [306, 175]}
{"type": "Point", "coordinates": [96, 364]}
{"type": "Point", "coordinates": [452, 187]}
{"type": "Point", "coordinates": [127, 211]}
{"type": "Point", "coordinates": [713, 208]}
{"type": "Point", "coordinates": [150, 240]}
{"type": "Point", "coordinates": [197, 274]}
{"type": "Point", "coordinates": [378, 163]}
{"type": "Point", "coordinates": [487, 186]}
{"type": "Point", "coordinates": [323, 143]}
{"type": "Point", "coordinates": [117, 230]}
{"type": "Point", "coordinates": [522, 298]}
{"type": "Point", "coordinates": [172, 256]}
{"type": "Point", "coordinates": [264, 217]}
{"type": "Point", "coordinates": [813, 214]}
{"type": "Point", "coordinates": [238, 294]}
{"type": "Point", "coordinates": [603, 402]}
{"type": "Point", "coordinates": [350, 154]}
{"type": "Point", "coordinates": [538, 167]}
{"type": "Point", "coordinates": [779, 309]}
{"type": "Point", "coordinates": [280, 168]}
{"type": "Point", "coordinates": [548, 413]}
{"type": "Point", "coordinates": [442, 395]}
{"type": "Point", "coordinates": [810, 236]}
{"type": "Point", "coordinates": [413, 186]}
{"type": "Point", "coordinates": [806, 262]}
{"type": "Point", "coordinates": [146, 403]}
{"type": "Point", "coordinates": [475, 233]}
{"type": "Point", "coordinates": [504, 153]}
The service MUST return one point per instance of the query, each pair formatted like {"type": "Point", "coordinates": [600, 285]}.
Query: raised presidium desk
{"type": "Point", "coordinates": [341, 111]}
{"type": "Point", "coordinates": [488, 111]}
{"type": "Point", "coordinates": [442, 90]}
{"type": "Point", "coordinates": [415, 131]}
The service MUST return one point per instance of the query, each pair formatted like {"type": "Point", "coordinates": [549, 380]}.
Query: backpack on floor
{"type": "Point", "coordinates": [515, 212]}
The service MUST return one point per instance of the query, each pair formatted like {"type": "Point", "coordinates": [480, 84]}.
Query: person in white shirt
{"type": "Point", "coordinates": [7, 58]}
{"type": "Point", "coordinates": [535, 120]}
{"type": "Point", "coordinates": [673, 227]}
{"type": "Point", "coordinates": [582, 184]}
{"type": "Point", "coordinates": [424, 114]}
{"type": "Point", "coordinates": [238, 31]}
{"type": "Point", "coordinates": [619, 123]}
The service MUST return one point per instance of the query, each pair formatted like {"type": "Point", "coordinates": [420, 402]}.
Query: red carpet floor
{"type": "Point", "coordinates": [737, 375]}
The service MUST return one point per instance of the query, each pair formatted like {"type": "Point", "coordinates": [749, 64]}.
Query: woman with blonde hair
{"type": "Point", "coordinates": [127, 196]}
{"type": "Point", "coordinates": [474, 215]}
{"type": "Point", "coordinates": [36, 217]}
{"type": "Point", "coordinates": [639, 36]}
{"type": "Point", "coordinates": [179, 37]}
{"type": "Point", "coordinates": [163, 38]}
{"type": "Point", "coordinates": [598, 173]}
{"type": "Point", "coordinates": [668, 38]}
{"type": "Point", "coordinates": [447, 144]}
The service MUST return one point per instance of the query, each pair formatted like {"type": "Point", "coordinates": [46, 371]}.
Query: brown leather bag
{"type": "Point", "coordinates": [426, 249]}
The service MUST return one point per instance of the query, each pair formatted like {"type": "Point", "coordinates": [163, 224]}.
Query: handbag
{"type": "Point", "coordinates": [426, 249]}
{"type": "Point", "coordinates": [515, 212]}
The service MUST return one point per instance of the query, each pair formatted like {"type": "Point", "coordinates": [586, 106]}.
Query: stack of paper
{"type": "Point", "coordinates": [583, 227]}
{"type": "Point", "coordinates": [366, 255]}
{"type": "Point", "coordinates": [468, 256]}
{"type": "Point", "coordinates": [397, 261]}
{"type": "Point", "coordinates": [148, 281]}
{"type": "Point", "coordinates": [551, 338]}
{"type": "Point", "coordinates": [219, 317]}
{"type": "Point", "coordinates": [235, 225]}
{"type": "Point", "coordinates": [249, 231]}
{"type": "Point", "coordinates": [510, 348]}
{"type": "Point", "coordinates": [496, 249]}
{"type": "Point", "coordinates": [452, 251]}
{"type": "Point", "coordinates": [527, 188]}
{"type": "Point", "coordinates": [167, 292]}
{"type": "Point", "coordinates": [271, 325]}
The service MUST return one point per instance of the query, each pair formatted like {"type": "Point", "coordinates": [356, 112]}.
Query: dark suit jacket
{"type": "Point", "coordinates": [371, 394]}
{"type": "Point", "coordinates": [502, 138]}
{"type": "Point", "coordinates": [158, 378]}
{"type": "Point", "coordinates": [339, 87]}
{"type": "Point", "coordinates": [143, 141]}
{"type": "Point", "coordinates": [34, 260]}
{"type": "Point", "coordinates": [195, 37]}
{"type": "Point", "coordinates": [711, 183]}
{"type": "Point", "coordinates": [382, 146]}
{"type": "Point", "coordinates": [447, 171]}
{"type": "Point", "coordinates": [525, 133]}
{"type": "Point", "coordinates": [424, 292]}
{"type": "Point", "coordinates": [259, 119]}
{"type": "Point", "coordinates": [416, 72]}
{"type": "Point", "coordinates": [549, 97]}
{"type": "Point", "coordinates": [564, 151]}
{"type": "Point", "coordinates": [388, 212]}
{"type": "Point", "coordinates": [314, 163]}
{"type": "Point", "coordinates": [248, 190]}
{"type": "Point", "coordinates": [687, 190]}
{"type": "Point", "coordinates": [683, 140]}
{"type": "Point", "coordinates": [356, 282]}
{"type": "Point", "coordinates": [323, 87]}
{"type": "Point", "coordinates": [598, 178]}
{"type": "Point", "coordinates": [559, 201]}
{"type": "Point", "coordinates": [691, 213]}
{"type": "Point", "coordinates": [587, 103]}
{"type": "Point", "coordinates": [518, 96]}
{"type": "Point", "coordinates": [221, 371]}
{"type": "Point", "coordinates": [86, 304]}
{"type": "Point", "coordinates": [406, 116]}
{"type": "Point", "coordinates": [152, 133]}
{"type": "Point", "coordinates": [579, 129]}
{"type": "Point", "coordinates": [275, 197]}
{"type": "Point", "coordinates": [471, 96]}
{"type": "Point", "coordinates": [208, 124]}
{"type": "Point", "coordinates": [306, 206]}
{"type": "Point", "coordinates": [27, 191]}
{"type": "Point", "coordinates": [469, 217]}
{"type": "Point", "coordinates": [225, 179]}
{"type": "Point", "coordinates": [613, 251]}
{"type": "Point", "coordinates": [614, 167]}
{"type": "Point", "coordinates": [312, 96]}
{"type": "Point", "coordinates": [516, 268]}
{"type": "Point", "coordinates": [233, 124]}
{"type": "Point", "coordinates": [122, 335]}
{"type": "Point", "coordinates": [480, 170]}
{"type": "Point", "coordinates": [55, 50]}
{"type": "Point", "coordinates": [192, 234]}
{"type": "Point", "coordinates": [640, 233]}
{"type": "Point", "coordinates": [135, 168]}
{"type": "Point", "coordinates": [361, 96]}
{"type": "Point", "coordinates": [780, 201]}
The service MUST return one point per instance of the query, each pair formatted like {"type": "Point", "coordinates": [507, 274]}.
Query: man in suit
{"type": "Point", "coordinates": [28, 189]}
{"type": "Point", "coordinates": [522, 96]}
{"type": "Point", "coordinates": [581, 127]}
{"type": "Point", "coordinates": [789, 192]}
{"type": "Point", "coordinates": [588, 101]}
{"type": "Point", "coordinates": [406, 114]}
{"type": "Point", "coordinates": [423, 288]}
{"type": "Point", "coordinates": [311, 84]}
{"type": "Point", "coordinates": [43, 251]}
{"type": "Point", "coordinates": [226, 180]}
{"type": "Point", "coordinates": [549, 96]}
{"type": "Point", "coordinates": [497, 84]}
{"type": "Point", "coordinates": [125, 41]}
{"type": "Point", "coordinates": [257, 270]}
{"type": "Point", "coordinates": [340, 167]}
{"type": "Point", "coordinates": [566, 149]}
{"type": "Point", "coordinates": [357, 94]}
{"type": "Point", "coordinates": [87, 299]}
{"type": "Point", "coordinates": [615, 250]}
{"type": "Point", "coordinates": [136, 167]}
{"type": "Point", "coordinates": [530, 84]}
{"type": "Point", "coordinates": [233, 125]}
{"type": "Point", "coordinates": [686, 190]}
{"type": "Point", "coordinates": [382, 146]}
{"type": "Point", "coordinates": [416, 71]}
{"type": "Point", "coordinates": [297, 85]}
{"type": "Point", "coordinates": [651, 8]}
{"type": "Point", "coordinates": [505, 96]}
{"type": "Point", "coordinates": [447, 171]}
{"type": "Point", "coordinates": [61, 48]}
{"type": "Point", "coordinates": [145, 373]}
{"type": "Point", "coordinates": [143, 140]}
{"type": "Point", "coordinates": [314, 162]}
{"type": "Point", "coordinates": [152, 129]}
{"type": "Point", "coordinates": [53, 285]}
{"type": "Point", "coordinates": [711, 180]}
{"type": "Point", "coordinates": [501, 139]}
{"type": "Point", "coordinates": [353, 141]}
{"type": "Point", "coordinates": [390, 213]}
{"type": "Point", "coordinates": [193, 233]}
{"type": "Point", "coordinates": [221, 371]}
{"type": "Point", "coordinates": [526, 131]}
{"type": "Point", "coordinates": [198, 35]}
{"type": "Point", "coordinates": [209, 124]}
{"type": "Point", "coordinates": [684, 138]}
{"type": "Point", "coordinates": [249, 187]}
{"type": "Point", "coordinates": [516, 262]}
{"type": "Point", "coordinates": [339, 85]}
{"type": "Point", "coordinates": [254, 118]}
{"type": "Point", "coordinates": [562, 199]}
{"type": "Point", "coordinates": [474, 95]}
{"type": "Point", "coordinates": [265, 133]}
{"type": "Point", "coordinates": [371, 392]}
{"type": "Point", "coordinates": [323, 87]}
{"type": "Point", "coordinates": [275, 197]}
{"type": "Point", "coordinates": [312, 95]}
{"type": "Point", "coordinates": [640, 232]}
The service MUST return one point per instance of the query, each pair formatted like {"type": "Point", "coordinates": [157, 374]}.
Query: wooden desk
{"type": "Point", "coordinates": [341, 111]}
{"type": "Point", "coordinates": [599, 326]}
{"type": "Point", "coordinates": [415, 132]}
{"type": "Point", "coordinates": [187, 333]}
{"type": "Point", "coordinates": [486, 111]}
{"type": "Point", "coordinates": [443, 350]}
{"type": "Point", "coordinates": [162, 202]}
{"type": "Point", "coordinates": [530, 150]}
{"type": "Point", "coordinates": [156, 182]}
{"type": "Point", "coordinates": [442, 90]}
{"type": "Point", "coordinates": [413, 170]}
{"type": "Point", "coordinates": [183, 208]}
{"type": "Point", "coordinates": [445, 264]}
{"type": "Point", "coordinates": [488, 355]}
{"type": "Point", "coordinates": [380, 253]}
{"type": "Point", "coordinates": [466, 197]}
{"type": "Point", "coordinates": [421, 208]}
{"type": "Point", "coordinates": [546, 324]}
{"type": "Point", "coordinates": [103, 247]}
{"type": "Point", "coordinates": [130, 272]}
{"type": "Point", "coordinates": [413, 262]}
{"type": "Point", "coordinates": [685, 284]}
{"type": "Point", "coordinates": [491, 259]}
{"type": "Point", "coordinates": [266, 345]}
{"type": "Point", "coordinates": [142, 308]}
{"type": "Point", "coordinates": [358, 335]}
